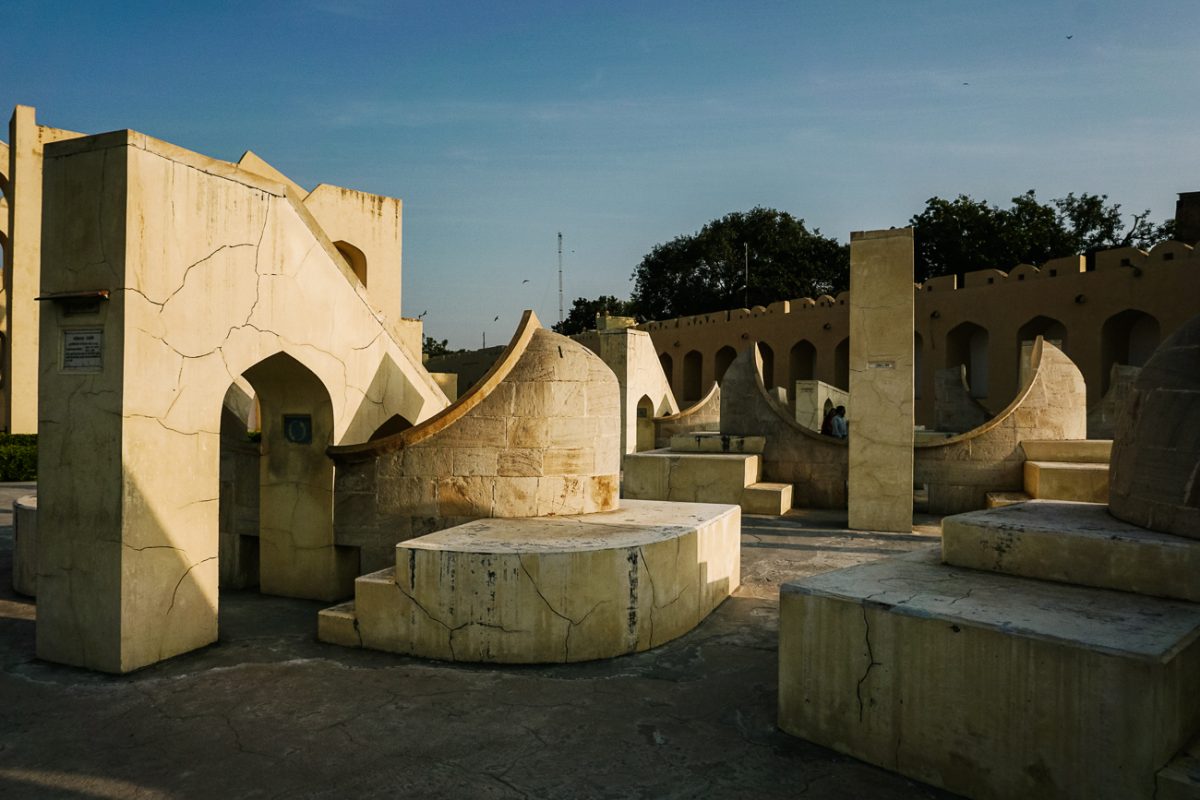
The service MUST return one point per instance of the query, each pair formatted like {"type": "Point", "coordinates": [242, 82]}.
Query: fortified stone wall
{"type": "Point", "coordinates": [538, 436]}
{"type": "Point", "coordinates": [1115, 313]}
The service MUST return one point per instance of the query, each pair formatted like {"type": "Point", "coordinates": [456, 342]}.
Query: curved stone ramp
{"type": "Point", "coordinates": [703, 415]}
{"type": "Point", "coordinates": [959, 471]}
{"type": "Point", "coordinates": [816, 465]}
{"type": "Point", "coordinates": [538, 435]}
{"type": "Point", "coordinates": [550, 590]}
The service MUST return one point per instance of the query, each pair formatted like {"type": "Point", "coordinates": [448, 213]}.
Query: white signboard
{"type": "Point", "coordinates": [82, 349]}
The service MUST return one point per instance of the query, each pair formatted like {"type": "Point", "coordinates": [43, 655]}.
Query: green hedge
{"type": "Point", "coordinates": [18, 456]}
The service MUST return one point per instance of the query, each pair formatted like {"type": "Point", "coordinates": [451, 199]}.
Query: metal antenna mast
{"type": "Point", "coordinates": [560, 291]}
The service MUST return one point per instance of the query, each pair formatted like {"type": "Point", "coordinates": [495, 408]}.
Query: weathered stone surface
{"type": "Point", "coordinates": [1066, 480]}
{"type": "Point", "coordinates": [1156, 446]}
{"type": "Point", "coordinates": [1080, 451]}
{"type": "Point", "coordinates": [24, 572]}
{"type": "Point", "coordinates": [689, 477]}
{"type": "Point", "coordinates": [772, 499]}
{"type": "Point", "coordinates": [880, 484]}
{"type": "Point", "coordinates": [704, 415]}
{"type": "Point", "coordinates": [989, 685]}
{"type": "Point", "coordinates": [548, 590]}
{"type": "Point", "coordinates": [1078, 543]}
{"type": "Point", "coordinates": [716, 442]}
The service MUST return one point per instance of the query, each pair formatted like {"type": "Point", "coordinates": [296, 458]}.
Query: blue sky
{"type": "Point", "coordinates": [624, 124]}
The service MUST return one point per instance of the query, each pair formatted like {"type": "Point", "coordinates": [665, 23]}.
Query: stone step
{"type": "Point", "coordinates": [1067, 480]}
{"type": "Point", "coordinates": [1180, 778]}
{"type": "Point", "coordinates": [1001, 499]}
{"type": "Point", "coordinates": [1086, 451]}
{"type": "Point", "coordinates": [337, 624]}
{"type": "Point", "coordinates": [773, 499]}
{"type": "Point", "coordinates": [986, 684]}
{"type": "Point", "coordinates": [716, 442]}
{"type": "Point", "coordinates": [1079, 543]}
{"type": "Point", "coordinates": [689, 477]}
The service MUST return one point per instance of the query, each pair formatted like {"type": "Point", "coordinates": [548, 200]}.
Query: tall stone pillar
{"type": "Point", "coordinates": [881, 380]}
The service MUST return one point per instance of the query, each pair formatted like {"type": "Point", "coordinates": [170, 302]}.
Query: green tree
{"type": "Point", "coordinates": [432, 347]}
{"type": "Point", "coordinates": [706, 271]}
{"type": "Point", "coordinates": [582, 316]}
{"type": "Point", "coordinates": [960, 235]}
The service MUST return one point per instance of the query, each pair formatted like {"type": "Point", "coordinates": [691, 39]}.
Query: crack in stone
{"type": "Point", "coordinates": [871, 662]}
{"type": "Point", "coordinates": [175, 592]}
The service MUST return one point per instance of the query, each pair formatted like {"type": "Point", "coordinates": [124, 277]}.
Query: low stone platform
{"type": "Point", "coordinates": [688, 477]}
{"type": "Point", "coordinates": [989, 685]}
{"type": "Point", "coordinates": [548, 589]}
{"type": "Point", "coordinates": [1078, 451]}
{"type": "Point", "coordinates": [1078, 543]}
{"type": "Point", "coordinates": [1079, 481]}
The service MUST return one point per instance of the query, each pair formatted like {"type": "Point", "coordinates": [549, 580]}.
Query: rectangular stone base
{"type": "Point", "coordinates": [1079, 543]}
{"type": "Point", "coordinates": [772, 499]}
{"type": "Point", "coordinates": [689, 477]}
{"type": "Point", "coordinates": [1067, 480]}
{"type": "Point", "coordinates": [989, 685]}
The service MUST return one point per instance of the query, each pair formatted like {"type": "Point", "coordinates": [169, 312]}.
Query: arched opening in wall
{"type": "Point", "coordinates": [1129, 338]}
{"type": "Point", "coordinates": [802, 360]}
{"type": "Point", "coordinates": [1048, 328]}
{"type": "Point", "coordinates": [237, 506]}
{"type": "Point", "coordinates": [918, 358]}
{"type": "Point", "coordinates": [391, 426]}
{"type": "Point", "coordinates": [668, 368]}
{"type": "Point", "coordinates": [841, 365]}
{"type": "Point", "coordinates": [355, 259]}
{"type": "Point", "coordinates": [768, 362]}
{"type": "Point", "coordinates": [297, 556]}
{"type": "Point", "coordinates": [725, 357]}
{"type": "Point", "coordinates": [967, 344]}
{"type": "Point", "coordinates": [693, 362]}
{"type": "Point", "coordinates": [645, 424]}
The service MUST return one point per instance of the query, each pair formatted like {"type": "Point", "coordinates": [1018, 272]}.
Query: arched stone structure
{"type": "Point", "coordinates": [841, 364]}
{"type": "Point", "coordinates": [722, 360]}
{"type": "Point", "coordinates": [229, 275]}
{"type": "Point", "coordinates": [693, 371]}
{"type": "Point", "coordinates": [767, 355]}
{"type": "Point", "coordinates": [967, 344]}
{"type": "Point", "coordinates": [1129, 338]}
{"type": "Point", "coordinates": [802, 365]}
{"type": "Point", "coordinates": [668, 367]}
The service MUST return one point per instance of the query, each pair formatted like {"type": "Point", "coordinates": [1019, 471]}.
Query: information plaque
{"type": "Point", "coordinates": [82, 349]}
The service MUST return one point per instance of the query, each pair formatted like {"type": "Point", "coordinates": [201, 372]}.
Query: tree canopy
{"type": "Point", "coordinates": [706, 271]}
{"type": "Point", "coordinates": [582, 316]}
{"type": "Point", "coordinates": [960, 235]}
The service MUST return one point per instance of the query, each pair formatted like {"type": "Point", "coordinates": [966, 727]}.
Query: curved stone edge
{"type": "Point", "coordinates": [699, 407]}
{"type": "Point", "coordinates": [704, 414]}
{"type": "Point", "coordinates": [24, 565]}
{"type": "Point", "coordinates": [455, 411]}
{"type": "Point", "coordinates": [557, 605]}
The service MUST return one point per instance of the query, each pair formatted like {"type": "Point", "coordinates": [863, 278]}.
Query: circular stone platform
{"type": "Point", "coordinates": [548, 589]}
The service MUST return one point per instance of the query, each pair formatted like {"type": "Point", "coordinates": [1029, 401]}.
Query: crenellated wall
{"type": "Point", "coordinates": [1115, 313]}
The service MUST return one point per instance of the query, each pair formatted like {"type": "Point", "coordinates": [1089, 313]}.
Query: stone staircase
{"type": "Point", "coordinates": [706, 467]}
{"type": "Point", "coordinates": [1073, 469]}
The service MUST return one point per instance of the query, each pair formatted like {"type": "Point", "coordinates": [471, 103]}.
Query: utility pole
{"type": "Point", "coordinates": [560, 291]}
{"type": "Point", "coordinates": [746, 256]}
{"type": "Point", "coordinates": [485, 340]}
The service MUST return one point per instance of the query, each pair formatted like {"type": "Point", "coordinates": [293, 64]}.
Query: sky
{"type": "Point", "coordinates": [625, 124]}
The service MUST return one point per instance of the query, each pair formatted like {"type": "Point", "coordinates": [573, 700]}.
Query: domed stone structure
{"type": "Point", "coordinates": [1155, 468]}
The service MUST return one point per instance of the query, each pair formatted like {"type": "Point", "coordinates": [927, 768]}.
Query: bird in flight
{"type": "Point", "coordinates": [525, 281]}
{"type": "Point", "coordinates": [1072, 36]}
{"type": "Point", "coordinates": [422, 314]}
{"type": "Point", "coordinates": [497, 319]}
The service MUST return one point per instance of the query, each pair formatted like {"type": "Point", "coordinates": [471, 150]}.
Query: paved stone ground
{"type": "Point", "coordinates": [270, 712]}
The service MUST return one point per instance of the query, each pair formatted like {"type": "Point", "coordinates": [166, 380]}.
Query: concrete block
{"type": "Point", "coordinates": [1080, 451]}
{"type": "Point", "coordinates": [1078, 543]}
{"type": "Point", "coordinates": [548, 590]}
{"type": "Point", "coordinates": [989, 685]}
{"type": "Point", "coordinates": [689, 477]}
{"type": "Point", "coordinates": [1180, 779]}
{"type": "Point", "coordinates": [1066, 480]}
{"type": "Point", "coordinates": [773, 499]}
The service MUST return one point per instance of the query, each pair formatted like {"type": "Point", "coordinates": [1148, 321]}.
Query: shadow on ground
{"type": "Point", "coordinates": [269, 711]}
